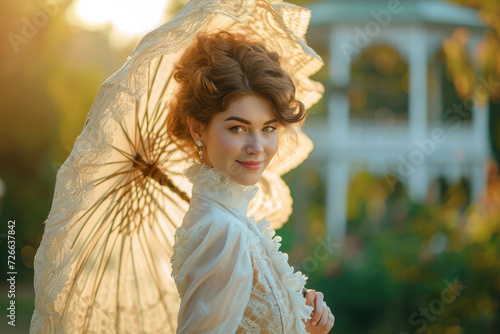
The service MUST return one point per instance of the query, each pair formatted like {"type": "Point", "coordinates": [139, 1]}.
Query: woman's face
{"type": "Point", "coordinates": [241, 141]}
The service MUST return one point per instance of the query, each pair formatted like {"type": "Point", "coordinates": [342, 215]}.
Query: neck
{"type": "Point", "coordinates": [209, 182]}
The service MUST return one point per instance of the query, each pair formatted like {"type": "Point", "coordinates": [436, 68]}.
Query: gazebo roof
{"type": "Point", "coordinates": [331, 12]}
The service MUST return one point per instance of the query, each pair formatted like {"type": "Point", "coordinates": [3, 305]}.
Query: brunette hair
{"type": "Point", "coordinates": [216, 70]}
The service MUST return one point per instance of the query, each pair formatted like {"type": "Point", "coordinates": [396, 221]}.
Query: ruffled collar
{"type": "Point", "coordinates": [209, 182]}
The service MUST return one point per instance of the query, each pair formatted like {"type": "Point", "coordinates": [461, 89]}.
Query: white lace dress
{"type": "Point", "coordinates": [229, 273]}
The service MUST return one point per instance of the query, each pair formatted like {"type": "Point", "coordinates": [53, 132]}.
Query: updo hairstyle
{"type": "Point", "coordinates": [218, 69]}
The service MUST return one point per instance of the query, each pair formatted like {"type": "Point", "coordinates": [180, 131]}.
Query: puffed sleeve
{"type": "Point", "coordinates": [215, 279]}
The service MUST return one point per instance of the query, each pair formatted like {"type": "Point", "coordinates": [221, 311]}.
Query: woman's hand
{"type": "Point", "coordinates": [322, 319]}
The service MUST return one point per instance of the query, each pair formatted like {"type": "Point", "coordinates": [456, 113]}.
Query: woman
{"type": "Point", "coordinates": [234, 105]}
{"type": "Point", "coordinates": [103, 264]}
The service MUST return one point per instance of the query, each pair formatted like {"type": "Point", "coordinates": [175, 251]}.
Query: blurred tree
{"type": "Point", "coordinates": [406, 267]}
{"type": "Point", "coordinates": [487, 54]}
{"type": "Point", "coordinates": [482, 82]}
{"type": "Point", "coordinates": [51, 72]}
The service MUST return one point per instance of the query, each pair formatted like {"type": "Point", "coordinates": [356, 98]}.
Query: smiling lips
{"type": "Point", "coordinates": [252, 165]}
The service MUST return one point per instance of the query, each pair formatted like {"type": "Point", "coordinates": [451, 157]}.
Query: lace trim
{"type": "Point", "coordinates": [209, 182]}
{"type": "Point", "coordinates": [181, 237]}
{"type": "Point", "coordinates": [293, 281]}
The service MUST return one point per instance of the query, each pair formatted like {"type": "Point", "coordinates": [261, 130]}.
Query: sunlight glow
{"type": "Point", "coordinates": [124, 17]}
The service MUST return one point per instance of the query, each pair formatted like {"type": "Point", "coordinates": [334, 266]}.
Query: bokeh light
{"type": "Point", "coordinates": [123, 19]}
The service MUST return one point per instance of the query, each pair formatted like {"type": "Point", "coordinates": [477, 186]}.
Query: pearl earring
{"type": "Point", "coordinates": [200, 145]}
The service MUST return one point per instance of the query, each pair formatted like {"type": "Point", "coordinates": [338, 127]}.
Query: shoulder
{"type": "Point", "coordinates": [217, 227]}
{"type": "Point", "coordinates": [200, 219]}
{"type": "Point", "coordinates": [212, 239]}
{"type": "Point", "coordinates": [212, 229]}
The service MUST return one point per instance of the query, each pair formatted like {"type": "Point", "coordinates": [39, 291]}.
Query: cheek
{"type": "Point", "coordinates": [224, 143]}
{"type": "Point", "coordinates": [271, 146]}
{"type": "Point", "coordinates": [229, 142]}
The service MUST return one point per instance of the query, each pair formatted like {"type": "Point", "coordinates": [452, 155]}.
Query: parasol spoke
{"type": "Point", "coordinates": [162, 210]}
{"type": "Point", "coordinates": [126, 214]}
{"type": "Point", "coordinates": [105, 196]}
{"type": "Point", "coordinates": [94, 208]}
{"type": "Point", "coordinates": [151, 83]}
{"type": "Point", "coordinates": [132, 145]}
{"type": "Point", "coordinates": [151, 127]}
{"type": "Point", "coordinates": [153, 271]}
{"type": "Point", "coordinates": [97, 236]}
{"type": "Point", "coordinates": [160, 101]}
{"type": "Point", "coordinates": [150, 88]}
{"type": "Point", "coordinates": [117, 162]}
{"type": "Point", "coordinates": [136, 275]}
{"type": "Point", "coordinates": [169, 143]}
{"type": "Point", "coordinates": [125, 154]}
{"type": "Point", "coordinates": [98, 280]}
{"type": "Point", "coordinates": [130, 201]}
{"type": "Point", "coordinates": [83, 258]}
{"type": "Point", "coordinates": [118, 285]}
{"type": "Point", "coordinates": [153, 216]}
{"type": "Point", "coordinates": [101, 226]}
{"type": "Point", "coordinates": [125, 170]}
{"type": "Point", "coordinates": [139, 137]}
{"type": "Point", "coordinates": [169, 153]}
{"type": "Point", "coordinates": [89, 249]}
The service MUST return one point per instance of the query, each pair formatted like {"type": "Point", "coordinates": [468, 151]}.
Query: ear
{"type": "Point", "coordinates": [196, 128]}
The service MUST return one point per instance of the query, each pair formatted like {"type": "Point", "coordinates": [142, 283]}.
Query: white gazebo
{"type": "Point", "coordinates": [417, 150]}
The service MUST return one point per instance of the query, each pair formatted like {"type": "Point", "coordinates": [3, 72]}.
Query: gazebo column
{"type": "Point", "coordinates": [480, 130]}
{"type": "Point", "coordinates": [336, 199]}
{"type": "Point", "coordinates": [337, 172]}
{"type": "Point", "coordinates": [417, 122]}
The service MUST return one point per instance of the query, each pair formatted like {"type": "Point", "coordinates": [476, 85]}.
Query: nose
{"type": "Point", "coordinates": [254, 145]}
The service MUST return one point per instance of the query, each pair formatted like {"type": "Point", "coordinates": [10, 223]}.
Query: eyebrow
{"type": "Point", "coordinates": [234, 118]}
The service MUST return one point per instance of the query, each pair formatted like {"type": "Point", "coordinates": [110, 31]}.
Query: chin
{"type": "Point", "coordinates": [250, 183]}
{"type": "Point", "coordinates": [246, 181]}
{"type": "Point", "coordinates": [249, 180]}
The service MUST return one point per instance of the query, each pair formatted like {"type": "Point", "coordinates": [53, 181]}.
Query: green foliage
{"type": "Point", "coordinates": [428, 274]}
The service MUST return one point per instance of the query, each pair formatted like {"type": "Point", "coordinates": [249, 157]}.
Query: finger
{"type": "Point", "coordinates": [310, 296]}
{"type": "Point", "coordinates": [331, 321]}
{"type": "Point", "coordinates": [318, 309]}
{"type": "Point", "coordinates": [324, 318]}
